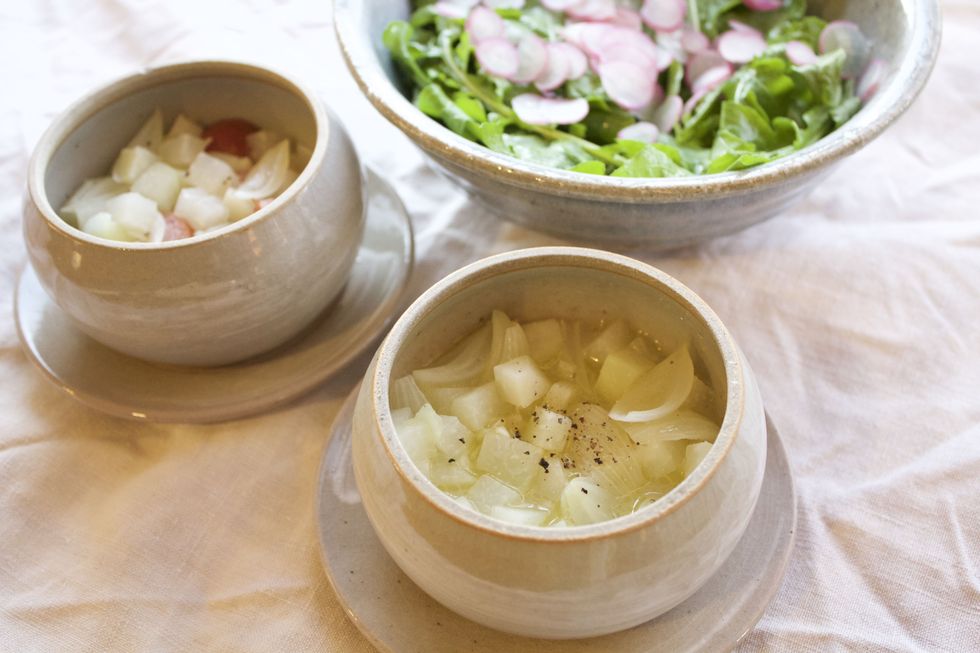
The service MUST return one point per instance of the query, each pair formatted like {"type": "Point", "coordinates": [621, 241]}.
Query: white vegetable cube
{"type": "Point", "coordinates": [451, 474]}
{"type": "Point", "coordinates": [261, 141]}
{"type": "Point", "coordinates": [102, 225]}
{"type": "Point", "coordinates": [240, 164]}
{"type": "Point", "coordinates": [550, 480]}
{"type": "Point", "coordinates": [238, 206]}
{"type": "Point", "coordinates": [548, 429]}
{"type": "Point", "coordinates": [200, 209]}
{"type": "Point", "coordinates": [659, 459]}
{"type": "Point", "coordinates": [151, 133]}
{"type": "Point", "coordinates": [418, 443]}
{"type": "Point", "coordinates": [509, 459]}
{"type": "Point", "coordinates": [584, 502]}
{"type": "Point", "coordinates": [544, 339]}
{"type": "Point", "coordinates": [161, 183]}
{"type": "Point", "coordinates": [514, 344]}
{"type": "Point", "coordinates": [89, 199]}
{"type": "Point", "coordinates": [479, 407]}
{"type": "Point", "coordinates": [693, 456]}
{"type": "Point", "coordinates": [561, 395]}
{"type": "Point", "coordinates": [523, 515]}
{"type": "Point", "coordinates": [618, 372]}
{"type": "Point", "coordinates": [184, 125]}
{"type": "Point", "coordinates": [211, 174]}
{"type": "Point", "coordinates": [614, 337]}
{"type": "Point", "coordinates": [131, 163]}
{"type": "Point", "coordinates": [180, 150]}
{"type": "Point", "coordinates": [520, 382]}
{"type": "Point", "coordinates": [448, 433]}
{"type": "Point", "coordinates": [138, 216]}
{"type": "Point", "coordinates": [488, 492]}
{"type": "Point", "coordinates": [443, 398]}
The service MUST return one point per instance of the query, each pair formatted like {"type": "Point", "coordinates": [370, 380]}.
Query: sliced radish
{"type": "Point", "coordinates": [452, 8]}
{"type": "Point", "coordinates": [702, 62]}
{"type": "Point", "coordinates": [587, 36]}
{"type": "Point", "coordinates": [739, 26]}
{"type": "Point", "coordinates": [504, 4]}
{"type": "Point", "coordinates": [629, 52]}
{"type": "Point", "coordinates": [532, 58]}
{"type": "Point", "coordinates": [628, 18]}
{"type": "Point", "coordinates": [483, 23]}
{"type": "Point", "coordinates": [694, 41]}
{"type": "Point", "coordinates": [711, 79]}
{"type": "Point", "coordinates": [538, 110]}
{"type": "Point", "coordinates": [559, 5]}
{"type": "Point", "coordinates": [615, 38]}
{"type": "Point", "coordinates": [557, 70]}
{"type": "Point", "coordinates": [628, 84]}
{"type": "Point", "coordinates": [693, 102]}
{"type": "Point", "coordinates": [663, 15]}
{"type": "Point", "coordinates": [498, 57]}
{"type": "Point", "coordinates": [593, 10]}
{"type": "Point", "coordinates": [645, 132]}
{"type": "Point", "coordinates": [800, 53]}
{"type": "Point", "coordinates": [764, 5]}
{"type": "Point", "coordinates": [870, 80]}
{"type": "Point", "coordinates": [578, 63]}
{"type": "Point", "coordinates": [845, 35]}
{"type": "Point", "coordinates": [738, 46]}
{"type": "Point", "coordinates": [668, 113]}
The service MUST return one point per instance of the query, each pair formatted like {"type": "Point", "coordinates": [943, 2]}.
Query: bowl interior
{"type": "Point", "coordinates": [563, 283]}
{"type": "Point", "coordinates": [88, 140]}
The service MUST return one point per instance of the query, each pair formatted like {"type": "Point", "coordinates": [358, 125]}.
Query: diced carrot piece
{"type": "Point", "coordinates": [176, 228]}
{"type": "Point", "coordinates": [229, 135]}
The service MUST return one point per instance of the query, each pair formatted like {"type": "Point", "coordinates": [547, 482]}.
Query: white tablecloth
{"type": "Point", "coordinates": [859, 310]}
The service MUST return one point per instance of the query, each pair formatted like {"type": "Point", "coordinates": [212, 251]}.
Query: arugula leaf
{"type": "Point", "coordinates": [434, 102]}
{"type": "Point", "coordinates": [711, 14]}
{"type": "Point", "coordinates": [806, 29]}
{"type": "Point", "coordinates": [650, 161]}
{"type": "Point", "coordinates": [823, 77]}
{"type": "Point", "coordinates": [556, 154]}
{"type": "Point", "coordinates": [397, 38]}
{"type": "Point", "coordinates": [592, 167]}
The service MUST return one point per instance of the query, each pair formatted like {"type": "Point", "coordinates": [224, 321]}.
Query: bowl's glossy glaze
{"type": "Point", "coordinates": [561, 582]}
{"type": "Point", "coordinates": [218, 297]}
{"type": "Point", "coordinates": [656, 213]}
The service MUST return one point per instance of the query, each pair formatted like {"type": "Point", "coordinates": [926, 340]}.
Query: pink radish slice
{"type": "Point", "coordinates": [711, 79]}
{"type": "Point", "coordinates": [578, 63]}
{"type": "Point", "coordinates": [556, 72]}
{"type": "Point", "coordinates": [693, 102]}
{"type": "Point", "coordinates": [739, 26]}
{"type": "Point", "coordinates": [483, 24]}
{"type": "Point", "coordinates": [629, 52]}
{"type": "Point", "coordinates": [498, 57]}
{"type": "Point", "coordinates": [694, 41]}
{"type": "Point", "coordinates": [628, 18]}
{"type": "Point", "coordinates": [663, 15]}
{"type": "Point", "coordinates": [504, 4]}
{"type": "Point", "coordinates": [532, 59]}
{"type": "Point", "coordinates": [593, 10]}
{"type": "Point", "coordinates": [616, 37]}
{"type": "Point", "coordinates": [537, 110]}
{"type": "Point", "coordinates": [629, 85]}
{"type": "Point", "coordinates": [740, 47]}
{"type": "Point", "coordinates": [645, 132]}
{"type": "Point", "coordinates": [870, 80]}
{"type": "Point", "coordinates": [800, 53]}
{"type": "Point", "coordinates": [668, 113]}
{"type": "Point", "coordinates": [703, 61]}
{"type": "Point", "coordinates": [559, 5]}
{"type": "Point", "coordinates": [587, 36]}
{"type": "Point", "coordinates": [846, 36]}
{"type": "Point", "coordinates": [764, 5]}
{"type": "Point", "coordinates": [451, 9]}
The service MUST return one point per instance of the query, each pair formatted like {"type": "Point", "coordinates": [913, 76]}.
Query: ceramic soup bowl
{"type": "Point", "coordinates": [565, 582]}
{"type": "Point", "coordinates": [220, 296]}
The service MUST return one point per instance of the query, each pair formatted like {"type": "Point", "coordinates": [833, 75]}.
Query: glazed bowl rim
{"type": "Point", "coordinates": [120, 89]}
{"type": "Point", "coordinates": [599, 262]}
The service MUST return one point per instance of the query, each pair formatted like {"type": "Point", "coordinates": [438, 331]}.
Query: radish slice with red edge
{"type": "Point", "coordinates": [663, 15]}
{"type": "Point", "coordinates": [645, 132]}
{"type": "Point", "coordinates": [800, 53]}
{"type": "Point", "coordinates": [557, 70]}
{"type": "Point", "coordinates": [628, 18]}
{"type": "Point", "coordinates": [454, 8]}
{"type": "Point", "coordinates": [694, 41]}
{"type": "Point", "coordinates": [846, 36]}
{"type": "Point", "coordinates": [764, 5]}
{"type": "Point", "coordinates": [559, 5]}
{"type": "Point", "coordinates": [615, 38]}
{"type": "Point", "coordinates": [870, 80]}
{"type": "Point", "coordinates": [532, 59]}
{"type": "Point", "coordinates": [668, 113]}
{"type": "Point", "coordinates": [628, 84]}
{"type": "Point", "coordinates": [593, 10]}
{"type": "Point", "coordinates": [739, 26]}
{"type": "Point", "coordinates": [711, 79]}
{"type": "Point", "coordinates": [538, 110]}
{"type": "Point", "coordinates": [631, 53]}
{"type": "Point", "coordinates": [737, 46]}
{"type": "Point", "coordinates": [498, 57]}
{"type": "Point", "coordinates": [483, 24]}
{"type": "Point", "coordinates": [504, 4]}
{"type": "Point", "coordinates": [578, 63]}
{"type": "Point", "coordinates": [703, 61]}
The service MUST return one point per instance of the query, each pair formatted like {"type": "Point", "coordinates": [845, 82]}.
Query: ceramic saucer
{"type": "Point", "coordinates": [395, 615]}
{"type": "Point", "coordinates": [128, 387]}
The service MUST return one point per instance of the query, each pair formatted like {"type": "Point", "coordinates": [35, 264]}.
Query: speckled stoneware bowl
{"type": "Point", "coordinates": [656, 213]}
{"type": "Point", "coordinates": [561, 582]}
{"type": "Point", "coordinates": [218, 297]}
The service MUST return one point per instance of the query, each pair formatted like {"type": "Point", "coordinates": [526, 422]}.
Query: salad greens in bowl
{"type": "Point", "coordinates": [639, 122]}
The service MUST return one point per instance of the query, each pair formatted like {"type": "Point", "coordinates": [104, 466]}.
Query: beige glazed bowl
{"type": "Point", "coordinates": [221, 296]}
{"type": "Point", "coordinates": [561, 582]}
{"type": "Point", "coordinates": [656, 213]}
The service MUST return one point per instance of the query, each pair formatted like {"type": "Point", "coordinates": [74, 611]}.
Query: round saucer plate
{"type": "Point", "coordinates": [128, 387]}
{"type": "Point", "coordinates": [395, 615]}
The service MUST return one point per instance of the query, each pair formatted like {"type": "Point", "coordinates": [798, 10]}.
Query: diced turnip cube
{"type": "Point", "coordinates": [161, 183]}
{"type": "Point", "coordinates": [102, 225]}
{"type": "Point", "coordinates": [200, 209]}
{"type": "Point", "coordinates": [138, 216]}
{"type": "Point", "coordinates": [466, 503]}
{"type": "Point", "coordinates": [89, 199]}
{"type": "Point", "coordinates": [548, 429]}
{"type": "Point", "coordinates": [131, 163]}
{"type": "Point", "coordinates": [561, 395]}
{"type": "Point", "coordinates": [184, 125]}
{"type": "Point", "coordinates": [693, 456]}
{"type": "Point", "coordinates": [240, 164]}
{"type": "Point", "coordinates": [418, 443]}
{"type": "Point", "coordinates": [399, 416]}
{"type": "Point", "coordinates": [479, 407]}
{"type": "Point", "coordinates": [509, 459]}
{"type": "Point", "coordinates": [150, 134]}
{"type": "Point", "coordinates": [180, 150]}
{"type": "Point", "coordinates": [584, 502]}
{"type": "Point", "coordinates": [520, 382]}
{"type": "Point", "coordinates": [660, 458]}
{"type": "Point", "coordinates": [565, 370]}
{"type": "Point", "coordinates": [259, 142]}
{"type": "Point", "coordinates": [523, 515]}
{"type": "Point", "coordinates": [619, 370]}
{"type": "Point", "coordinates": [238, 206]}
{"type": "Point", "coordinates": [448, 433]}
{"type": "Point", "coordinates": [211, 173]}
{"type": "Point", "coordinates": [549, 481]}
{"type": "Point", "coordinates": [615, 336]}
{"type": "Point", "coordinates": [544, 339]}
{"type": "Point", "coordinates": [488, 492]}
{"type": "Point", "coordinates": [451, 474]}
{"type": "Point", "coordinates": [442, 398]}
